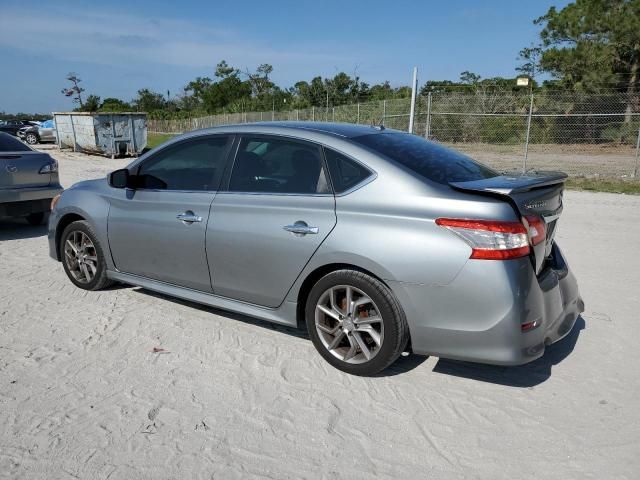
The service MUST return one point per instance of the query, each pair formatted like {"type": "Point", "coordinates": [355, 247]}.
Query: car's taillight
{"type": "Point", "coordinates": [536, 228]}
{"type": "Point", "coordinates": [490, 239]}
{"type": "Point", "coordinates": [51, 167]}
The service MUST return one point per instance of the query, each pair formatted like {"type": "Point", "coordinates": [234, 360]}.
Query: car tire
{"type": "Point", "coordinates": [31, 138]}
{"type": "Point", "coordinates": [375, 322]}
{"type": "Point", "coordinates": [82, 257]}
{"type": "Point", "coordinates": [36, 219]}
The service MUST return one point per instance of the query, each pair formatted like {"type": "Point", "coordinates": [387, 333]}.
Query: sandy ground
{"type": "Point", "coordinates": [82, 395]}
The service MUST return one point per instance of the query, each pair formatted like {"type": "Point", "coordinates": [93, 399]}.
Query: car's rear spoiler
{"type": "Point", "coordinates": [509, 184]}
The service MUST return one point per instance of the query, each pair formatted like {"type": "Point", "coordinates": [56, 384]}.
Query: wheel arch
{"type": "Point", "coordinates": [312, 278]}
{"type": "Point", "coordinates": [63, 223]}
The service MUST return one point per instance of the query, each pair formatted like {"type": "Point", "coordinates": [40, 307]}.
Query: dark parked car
{"type": "Point", "coordinates": [28, 180]}
{"type": "Point", "coordinates": [12, 126]}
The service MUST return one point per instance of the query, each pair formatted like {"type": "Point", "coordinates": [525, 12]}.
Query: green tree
{"type": "Point", "coordinates": [91, 104]}
{"type": "Point", "coordinates": [593, 43]}
{"type": "Point", "coordinates": [114, 105]}
{"type": "Point", "coordinates": [529, 58]}
{"type": "Point", "coordinates": [149, 101]}
{"type": "Point", "coordinates": [469, 78]}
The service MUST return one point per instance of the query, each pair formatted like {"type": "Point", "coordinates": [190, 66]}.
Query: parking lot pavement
{"type": "Point", "coordinates": [126, 384]}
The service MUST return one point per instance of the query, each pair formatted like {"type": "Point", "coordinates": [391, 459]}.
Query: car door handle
{"type": "Point", "coordinates": [189, 217]}
{"type": "Point", "coordinates": [301, 228]}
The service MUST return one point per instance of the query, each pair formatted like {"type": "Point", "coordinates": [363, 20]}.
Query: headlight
{"type": "Point", "coordinates": [54, 201]}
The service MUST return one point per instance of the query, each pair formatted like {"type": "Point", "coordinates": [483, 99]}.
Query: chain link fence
{"type": "Point", "coordinates": [583, 135]}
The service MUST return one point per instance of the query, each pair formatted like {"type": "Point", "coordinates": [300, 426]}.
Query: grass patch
{"type": "Point", "coordinates": [155, 139]}
{"type": "Point", "coordinates": [613, 185]}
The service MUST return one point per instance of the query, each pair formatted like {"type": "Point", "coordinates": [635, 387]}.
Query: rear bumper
{"type": "Point", "coordinates": [479, 316]}
{"type": "Point", "coordinates": [23, 201]}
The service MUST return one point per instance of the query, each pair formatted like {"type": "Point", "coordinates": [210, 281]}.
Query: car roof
{"type": "Point", "coordinates": [8, 142]}
{"type": "Point", "coordinates": [344, 130]}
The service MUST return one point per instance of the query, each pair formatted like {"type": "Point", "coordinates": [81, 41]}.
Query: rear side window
{"type": "Point", "coordinates": [195, 164]}
{"type": "Point", "coordinates": [276, 165]}
{"type": "Point", "coordinates": [427, 159]}
{"type": "Point", "coordinates": [345, 173]}
{"type": "Point", "coordinates": [12, 144]}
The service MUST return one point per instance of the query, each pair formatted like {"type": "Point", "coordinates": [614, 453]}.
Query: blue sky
{"type": "Point", "coordinates": [117, 47]}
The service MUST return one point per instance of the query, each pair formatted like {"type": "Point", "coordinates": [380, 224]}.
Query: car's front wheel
{"type": "Point", "coordinates": [31, 138]}
{"type": "Point", "coordinates": [82, 257]}
{"type": "Point", "coordinates": [355, 322]}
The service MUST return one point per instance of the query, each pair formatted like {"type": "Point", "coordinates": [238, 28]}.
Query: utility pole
{"type": "Point", "coordinates": [414, 89]}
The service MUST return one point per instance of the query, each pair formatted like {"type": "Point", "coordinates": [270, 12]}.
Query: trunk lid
{"type": "Point", "coordinates": [21, 169]}
{"type": "Point", "coordinates": [531, 194]}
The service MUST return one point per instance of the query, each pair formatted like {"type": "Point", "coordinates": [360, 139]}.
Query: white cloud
{"type": "Point", "coordinates": [110, 38]}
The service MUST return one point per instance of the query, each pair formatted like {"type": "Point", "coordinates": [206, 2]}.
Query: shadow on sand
{"type": "Point", "coordinates": [527, 375]}
{"type": "Point", "coordinates": [19, 229]}
{"type": "Point", "coordinates": [402, 365]}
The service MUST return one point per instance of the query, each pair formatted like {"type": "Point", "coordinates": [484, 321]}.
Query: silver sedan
{"type": "Point", "coordinates": [28, 181]}
{"type": "Point", "coordinates": [380, 242]}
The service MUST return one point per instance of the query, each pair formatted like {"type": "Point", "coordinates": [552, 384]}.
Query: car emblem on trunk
{"type": "Point", "coordinates": [12, 168]}
{"type": "Point", "coordinates": [536, 205]}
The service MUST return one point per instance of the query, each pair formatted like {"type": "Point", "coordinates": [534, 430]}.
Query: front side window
{"type": "Point", "coordinates": [195, 164]}
{"type": "Point", "coordinates": [274, 165]}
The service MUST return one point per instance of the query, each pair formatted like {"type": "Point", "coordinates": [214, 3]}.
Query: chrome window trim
{"type": "Point", "coordinates": [159, 190]}
{"type": "Point", "coordinates": [276, 194]}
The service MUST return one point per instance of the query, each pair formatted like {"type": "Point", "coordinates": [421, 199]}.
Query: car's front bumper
{"type": "Point", "coordinates": [479, 316]}
{"type": "Point", "coordinates": [15, 202]}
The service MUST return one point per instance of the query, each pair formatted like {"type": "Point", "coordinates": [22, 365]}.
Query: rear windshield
{"type": "Point", "coordinates": [430, 160]}
{"type": "Point", "coordinates": [11, 144]}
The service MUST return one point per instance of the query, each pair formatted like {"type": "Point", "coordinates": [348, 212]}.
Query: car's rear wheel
{"type": "Point", "coordinates": [31, 138]}
{"type": "Point", "coordinates": [82, 257]}
{"type": "Point", "coordinates": [35, 219]}
{"type": "Point", "coordinates": [355, 322]}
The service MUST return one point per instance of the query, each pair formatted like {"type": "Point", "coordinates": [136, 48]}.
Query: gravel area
{"type": "Point", "coordinates": [127, 384]}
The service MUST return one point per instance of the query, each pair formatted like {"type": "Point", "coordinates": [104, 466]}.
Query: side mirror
{"type": "Point", "coordinates": [119, 178]}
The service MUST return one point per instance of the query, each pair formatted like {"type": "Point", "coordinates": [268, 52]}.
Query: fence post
{"type": "Point", "coordinates": [427, 130]}
{"type": "Point", "coordinates": [635, 169]}
{"type": "Point", "coordinates": [297, 114]}
{"type": "Point", "coordinates": [414, 88]}
{"type": "Point", "coordinates": [384, 111]}
{"type": "Point", "coordinates": [313, 114]}
{"type": "Point", "coordinates": [358, 117]}
{"type": "Point", "coordinates": [526, 140]}
{"type": "Point", "coordinates": [333, 114]}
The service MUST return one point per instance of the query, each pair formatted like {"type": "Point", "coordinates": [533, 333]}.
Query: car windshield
{"type": "Point", "coordinates": [47, 124]}
{"type": "Point", "coordinates": [11, 144]}
{"type": "Point", "coordinates": [427, 159]}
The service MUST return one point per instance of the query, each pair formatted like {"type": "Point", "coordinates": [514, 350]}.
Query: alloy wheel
{"type": "Point", "coordinates": [81, 257]}
{"type": "Point", "coordinates": [349, 324]}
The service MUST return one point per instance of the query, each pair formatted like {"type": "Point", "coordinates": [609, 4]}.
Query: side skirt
{"type": "Point", "coordinates": [285, 314]}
